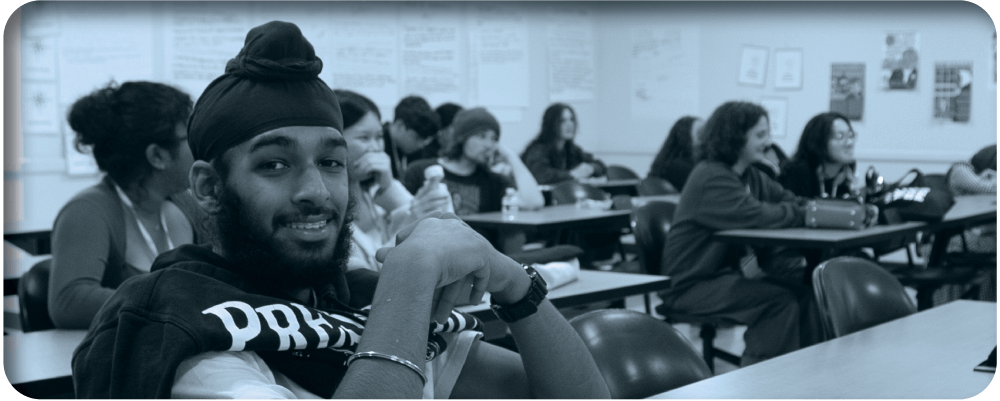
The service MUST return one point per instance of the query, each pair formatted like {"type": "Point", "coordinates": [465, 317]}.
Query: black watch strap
{"type": "Point", "coordinates": [528, 305]}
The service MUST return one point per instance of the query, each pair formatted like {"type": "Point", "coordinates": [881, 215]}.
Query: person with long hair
{"type": "Point", "coordinates": [382, 205]}
{"type": "Point", "coordinates": [725, 192]}
{"type": "Point", "coordinates": [676, 157]}
{"type": "Point", "coordinates": [137, 132]}
{"type": "Point", "coordinates": [823, 165]}
{"type": "Point", "coordinates": [553, 156]}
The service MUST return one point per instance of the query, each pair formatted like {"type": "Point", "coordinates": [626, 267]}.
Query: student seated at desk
{"type": "Point", "coordinates": [678, 153]}
{"type": "Point", "coordinates": [553, 157]}
{"type": "Point", "coordinates": [823, 165]}
{"type": "Point", "coordinates": [974, 177]}
{"type": "Point", "coordinates": [414, 126]}
{"type": "Point", "coordinates": [468, 150]}
{"type": "Point", "coordinates": [382, 204]}
{"type": "Point", "coordinates": [724, 192]}
{"type": "Point", "coordinates": [271, 312]}
{"type": "Point", "coordinates": [112, 231]}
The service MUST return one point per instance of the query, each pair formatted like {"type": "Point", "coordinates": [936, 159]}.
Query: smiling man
{"type": "Point", "coordinates": [269, 310]}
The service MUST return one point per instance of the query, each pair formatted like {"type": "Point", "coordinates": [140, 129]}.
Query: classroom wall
{"type": "Point", "coordinates": [703, 44]}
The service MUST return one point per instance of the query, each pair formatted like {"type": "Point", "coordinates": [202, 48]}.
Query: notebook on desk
{"type": "Point", "coordinates": [990, 364]}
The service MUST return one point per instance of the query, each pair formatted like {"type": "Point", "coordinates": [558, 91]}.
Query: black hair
{"type": "Point", "coordinates": [354, 106]}
{"type": "Point", "coordinates": [678, 145]}
{"type": "Point", "coordinates": [417, 115]}
{"type": "Point", "coordinates": [813, 148]}
{"type": "Point", "coordinates": [118, 122]}
{"type": "Point", "coordinates": [725, 132]}
{"type": "Point", "coordinates": [549, 133]}
{"type": "Point", "coordinates": [446, 113]}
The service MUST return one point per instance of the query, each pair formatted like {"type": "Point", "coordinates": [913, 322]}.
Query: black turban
{"type": "Point", "coordinates": [272, 83]}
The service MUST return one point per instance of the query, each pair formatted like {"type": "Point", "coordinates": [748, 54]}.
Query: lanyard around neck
{"type": "Point", "coordinates": [142, 229]}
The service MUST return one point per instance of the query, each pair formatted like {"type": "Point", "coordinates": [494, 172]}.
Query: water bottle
{"type": "Point", "coordinates": [511, 204]}
{"type": "Point", "coordinates": [432, 180]}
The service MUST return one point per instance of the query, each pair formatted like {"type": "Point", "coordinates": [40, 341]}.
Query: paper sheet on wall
{"type": "Point", "coordinates": [664, 72]}
{"type": "Point", "coordinates": [39, 111]}
{"type": "Point", "coordinates": [777, 114]}
{"type": "Point", "coordinates": [38, 58]}
{"type": "Point", "coordinates": [97, 53]}
{"type": "Point", "coordinates": [952, 91]}
{"type": "Point", "coordinates": [753, 66]}
{"type": "Point", "coordinates": [788, 69]}
{"type": "Point", "coordinates": [899, 67]}
{"type": "Point", "coordinates": [498, 56]}
{"type": "Point", "coordinates": [847, 89]}
{"type": "Point", "coordinates": [430, 43]}
{"type": "Point", "coordinates": [572, 75]}
{"type": "Point", "coordinates": [200, 38]}
{"type": "Point", "coordinates": [364, 57]}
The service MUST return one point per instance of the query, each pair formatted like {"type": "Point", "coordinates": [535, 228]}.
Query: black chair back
{"type": "Point", "coordinates": [33, 297]}
{"type": "Point", "coordinates": [638, 355]}
{"type": "Point", "coordinates": [656, 186]}
{"type": "Point", "coordinates": [618, 172]}
{"type": "Point", "coordinates": [650, 223]}
{"type": "Point", "coordinates": [568, 192]}
{"type": "Point", "coordinates": [854, 294]}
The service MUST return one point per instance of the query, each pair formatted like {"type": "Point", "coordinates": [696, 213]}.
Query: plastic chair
{"type": "Point", "coordinates": [568, 192]}
{"type": "Point", "coordinates": [656, 186]}
{"type": "Point", "coordinates": [638, 355]}
{"type": "Point", "coordinates": [618, 172]}
{"type": "Point", "coordinates": [650, 223]}
{"type": "Point", "coordinates": [33, 297]}
{"type": "Point", "coordinates": [854, 294]}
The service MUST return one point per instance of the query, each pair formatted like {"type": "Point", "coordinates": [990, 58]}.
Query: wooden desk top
{"type": "Point", "coordinates": [929, 354]}
{"type": "Point", "coordinates": [39, 355]}
{"type": "Point", "coordinates": [967, 210]}
{"type": "Point", "coordinates": [592, 286]}
{"type": "Point", "coordinates": [563, 215]}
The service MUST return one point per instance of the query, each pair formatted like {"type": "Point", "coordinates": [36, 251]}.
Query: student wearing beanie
{"type": "Point", "coordinates": [269, 310]}
{"type": "Point", "coordinates": [468, 150]}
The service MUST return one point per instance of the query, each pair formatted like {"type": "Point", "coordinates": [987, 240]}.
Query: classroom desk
{"type": "Point", "coordinates": [591, 287]}
{"type": "Point", "coordinates": [642, 200]}
{"type": "Point", "coordinates": [550, 217]}
{"type": "Point", "coordinates": [968, 210]}
{"type": "Point", "coordinates": [37, 364]}
{"type": "Point", "coordinates": [929, 354]}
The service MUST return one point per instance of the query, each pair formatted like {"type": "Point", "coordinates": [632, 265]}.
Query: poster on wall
{"type": "Point", "coordinates": [364, 57]}
{"type": "Point", "coordinates": [572, 75]}
{"type": "Point", "coordinates": [498, 56]}
{"type": "Point", "coordinates": [39, 112]}
{"type": "Point", "coordinates": [952, 91]}
{"type": "Point", "coordinates": [664, 64]}
{"type": "Point", "coordinates": [777, 114]}
{"type": "Point", "coordinates": [753, 66]}
{"type": "Point", "coordinates": [199, 39]}
{"type": "Point", "coordinates": [847, 89]}
{"type": "Point", "coordinates": [899, 67]}
{"type": "Point", "coordinates": [788, 69]}
{"type": "Point", "coordinates": [430, 42]}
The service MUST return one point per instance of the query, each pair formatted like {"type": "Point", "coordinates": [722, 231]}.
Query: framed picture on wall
{"type": "Point", "coordinates": [788, 69]}
{"type": "Point", "coordinates": [753, 66]}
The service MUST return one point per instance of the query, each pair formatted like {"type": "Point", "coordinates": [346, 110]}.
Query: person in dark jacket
{"type": "Point", "coordinates": [677, 156]}
{"type": "Point", "coordinates": [823, 165]}
{"type": "Point", "coordinates": [553, 157]}
{"type": "Point", "coordinates": [269, 311]}
{"type": "Point", "coordinates": [724, 192]}
{"type": "Point", "coordinates": [415, 125]}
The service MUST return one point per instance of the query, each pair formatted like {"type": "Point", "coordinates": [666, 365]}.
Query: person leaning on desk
{"type": "Point", "coordinates": [724, 192]}
{"type": "Point", "coordinates": [113, 230]}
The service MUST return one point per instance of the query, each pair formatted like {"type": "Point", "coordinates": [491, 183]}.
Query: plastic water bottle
{"type": "Point", "coordinates": [511, 204]}
{"type": "Point", "coordinates": [432, 180]}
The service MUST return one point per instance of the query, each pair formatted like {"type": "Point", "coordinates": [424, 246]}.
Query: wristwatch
{"type": "Point", "coordinates": [528, 305]}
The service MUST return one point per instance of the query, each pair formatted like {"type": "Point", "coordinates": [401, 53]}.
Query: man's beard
{"type": "Point", "coordinates": [253, 254]}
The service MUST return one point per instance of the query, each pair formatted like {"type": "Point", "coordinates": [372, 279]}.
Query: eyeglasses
{"type": "Point", "coordinates": [841, 136]}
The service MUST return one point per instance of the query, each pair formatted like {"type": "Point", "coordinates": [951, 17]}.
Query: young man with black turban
{"type": "Point", "coordinates": [268, 310]}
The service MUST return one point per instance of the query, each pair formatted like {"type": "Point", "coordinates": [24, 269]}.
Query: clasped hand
{"type": "Point", "coordinates": [462, 264]}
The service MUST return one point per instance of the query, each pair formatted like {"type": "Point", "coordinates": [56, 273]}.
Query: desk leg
{"type": "Point", "coordinates": [649, 306]}
{"type": "Point", "coordinates": [511, 240]}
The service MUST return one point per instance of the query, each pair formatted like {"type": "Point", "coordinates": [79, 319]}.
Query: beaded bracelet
{"type": "Point", "coordinates": [401, 361]}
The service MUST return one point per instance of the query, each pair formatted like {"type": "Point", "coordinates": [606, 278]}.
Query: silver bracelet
{"type": "Point", "coordinates": [401, 361]}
